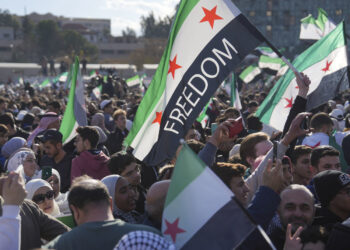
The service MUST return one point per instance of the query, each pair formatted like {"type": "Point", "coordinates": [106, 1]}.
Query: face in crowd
{"type": "Point", "coordinates": [29, 165]}
{"type": "Point", "coordinates": [125, 195]}
{"type": "Point", "coordinates": [43, 197]}
{"type": "Point", "coordinates": [296, 207]}
{"type": "Point", "coordinates": [132, 173]}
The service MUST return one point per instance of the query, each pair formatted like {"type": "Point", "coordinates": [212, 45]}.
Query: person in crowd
{"type": "Point", "coordinates": [91, 207]}
{"type": "Point", "coordinates": [14, 131]}
{"type": "Point", "coordinates": [252, 107]}
{"type": "Point", "coordinates": [333, 191]}
{"type": "Point", "coordinates": [10, 147]}
{"type": "Point", "coordinates": [3, 139]}
{"type": "Point", "coordinates": [301, 158]}
{"type": "Point", "coordinates": [116, 138]}
{"type": "Point", "coordinates": [125, 165]}
{"type": "Point", "coordinates": [143, 240]}
{"type": "Point", "coordinates": [60, 198]}
{"type": "Point", "coordinates": [98, 120]}
{"type": "Point", "coordinates": [297, 209]}
{"type": "Point", "coordinates": [102, 140]}
{"type": "Point", "coordinates": [154, 204]}
{"type": "Point", "coordinates": [54, 107]}
{"type": "Point", "coordinates": [49, 120]}
{"type": "Point", "coordinates": [3, 105]}
{"type": "Point", "coordinates": [41, 192]}
{"type": "Point", "coordinates": [56, 157]}
{"type": "Point", "coordinates": [107, 108]}
{"type": "Point", "coordinates": [123, 197]}
{"type": "Point", "coordinates": [90, 161]}
{"type": "Point", "coordinates": [24, 163]}
{"type": "Point", "coordinates": [13, 193]}
{"type": "Point", "coordinates": [35, 224]}
{"type": "Point", "coordinates": [28, 122]}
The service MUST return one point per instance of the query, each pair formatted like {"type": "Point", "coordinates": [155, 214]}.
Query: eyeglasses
{"type": "Point", "coordinates": [40, 198]}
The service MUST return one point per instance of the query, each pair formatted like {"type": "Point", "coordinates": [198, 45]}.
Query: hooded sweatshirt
{"type": "Point", "coordinates": [92, 163]}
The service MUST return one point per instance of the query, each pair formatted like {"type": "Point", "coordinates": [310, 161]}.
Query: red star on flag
{"type": "Point", "coordinates": [210, 16]}
{"type": "Point", "coordinates": [173, 66]}
{"type": "Point", "coordinates": [328, 64]}
{"type": "Point", "coordinates": [314, 146]}
{"type": "Point", "coordinates": [290, 102]}
{"type": "Point", "coordinates": [173, 229]}
{"type": "Point", "coordinates": [158, 118]}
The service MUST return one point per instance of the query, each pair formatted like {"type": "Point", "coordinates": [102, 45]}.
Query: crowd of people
{"type": "Point", "coordinates": [294, 183]}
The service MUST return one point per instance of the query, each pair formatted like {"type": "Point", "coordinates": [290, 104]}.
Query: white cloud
{"type": "Point", "coordinates": [127, 13]}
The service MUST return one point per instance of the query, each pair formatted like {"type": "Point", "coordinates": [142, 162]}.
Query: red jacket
{"type": "Point", "coordinates": [91, 164]}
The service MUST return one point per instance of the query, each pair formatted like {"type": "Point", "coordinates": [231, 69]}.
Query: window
{"type": "Point", "coordinates": [269, 13]}
{"type": "Point", "coordinates": [6, 35]}
{"type": "Point", "coordinates": [268, 27]}
{"type": "Point", "coordinates": [107, 51]}
{"type": "Point", "coordinates": [339, 12]}
{"type": "Point", "coordinates": [252, 13]}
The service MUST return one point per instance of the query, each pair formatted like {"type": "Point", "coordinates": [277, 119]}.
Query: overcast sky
{"type": "Point", "coordinates": [123, 13]}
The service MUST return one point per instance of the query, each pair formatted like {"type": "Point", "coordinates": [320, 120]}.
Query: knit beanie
{"type": "Point", "coordinates": [328, 184]}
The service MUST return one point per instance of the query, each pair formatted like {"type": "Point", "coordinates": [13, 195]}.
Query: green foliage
{"type": "Point", "coordinates": [152, 28]}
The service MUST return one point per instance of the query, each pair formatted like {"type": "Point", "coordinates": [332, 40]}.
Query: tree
{"type": "Point", "coordinates": [48, 38]}
{"type": "Point", "coordinates": [152, 28]}
{"type": "Point", "coordinates": [74, 43]}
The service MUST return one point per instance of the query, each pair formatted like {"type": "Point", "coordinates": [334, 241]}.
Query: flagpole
{"type": "Point", "coordinates": [284, 59]}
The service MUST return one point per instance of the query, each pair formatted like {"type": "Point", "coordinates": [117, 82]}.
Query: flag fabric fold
{"type": "Point", "coordinates": [75, 113]}
{"type": "Point", "coordinates": [196, 203]}
{"type": "Point", "coordinates": [315, 29]}
{"type": "Point", "coordinates": [249, 73]}
{"type": "Point", "coordinates": [203, 47]}
{"type": "Point", "coordinates": [325, 63]}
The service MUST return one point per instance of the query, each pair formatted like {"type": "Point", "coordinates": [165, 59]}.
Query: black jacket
{"type": "Point", "coordinates": [339, 238]}
{"type": "Point", "coordinates": [324, 217]}
{"type": "Point", "coordinates": [115, 140]}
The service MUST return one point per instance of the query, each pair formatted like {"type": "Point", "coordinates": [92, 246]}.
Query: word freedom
{"type": "Point", "coordinates": [197, 85]}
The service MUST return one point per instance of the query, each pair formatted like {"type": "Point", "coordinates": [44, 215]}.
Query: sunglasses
{"type": "Point", "coordinates": [40, 198]}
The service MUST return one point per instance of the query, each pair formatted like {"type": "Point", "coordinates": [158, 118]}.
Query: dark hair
{"type": "Point", "coordinates": [254, 123]}
{"type": "Point", "coordinates": [253, 104]}
{"type": "Point", "coordinates": [3, 129]}
{"type": "Point", "coordinates": [299, 151]}
{"type": "Point", "coordinates": [119, 161]}
{"type": "Point", "coordinates": [7, 119]}
{"type": "Point", "coordinates": [314, 234]}
{"type": "Point", "coordinates": [232, 110]}
{"type": "Point", "coordinates": [319, 120]}
{"type": "Point", "coordinates": [195, 145]}
{"type": "Point", "coordinates": [89, 133]}
{"type": "Point", "coordinates": [55, 104]}
{"type": "Point", "coordinates": [226, 171]}
{"type": "Point", "coordinates": [322, 151]}
{"type": "Point", "coordinates": [86, 190]}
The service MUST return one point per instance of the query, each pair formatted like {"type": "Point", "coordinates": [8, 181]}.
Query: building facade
{"type": "Point", "coordinates": [279, 20]}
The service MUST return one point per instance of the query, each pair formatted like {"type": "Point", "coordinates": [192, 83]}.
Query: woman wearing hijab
{"type": "Point", "coordinates": [123, 197]}
{"type": "Point", "coordinates": [49, 120]}
{"type": "Point", "coordinates": [42, 194]}
{"type": "Point", "coordinates": [60, 198]}
{"type": "Point", "coordinates": [24, 163]}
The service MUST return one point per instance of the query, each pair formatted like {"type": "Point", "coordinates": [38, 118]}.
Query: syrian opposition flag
{"type": "Point", "coordinates": [232, 90]}
{"type": "Point", "coordinates": [249, 73]}
{"type": "Point", "coordinates": [326, 64]}
{"type": "Point", "coordinates": [199, 211]}
{"type": "Point", "coordinates": [315, 29]}
{"type": "Point", "coordinates": [270, 63]}
{"type": "Point", "coordinates": [75, 114]}
{"type": "Point", "coordinates": [97, 91]}
{"type": "Point", "coordinates": [133, 81]}
{"type": "Point", "coordinates": [207, 40]}
{"type": "Point", "coordinates": [203, 118]}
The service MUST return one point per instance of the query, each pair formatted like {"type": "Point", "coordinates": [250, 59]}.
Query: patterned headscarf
{"type": "Point", "coordinates": [17, 160]}
{"type": "Point", "coordinates": [47, 119]}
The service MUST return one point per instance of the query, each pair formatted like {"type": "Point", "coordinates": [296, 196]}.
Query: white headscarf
{"type": "Point", "coordinates": [111, 181]}
{"type": "Point", "coordinates": [55, 172]}
{"type": "Point", "coordinates": [17, 160]}
{"type": "Point", "coordinates": [33, 185]}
